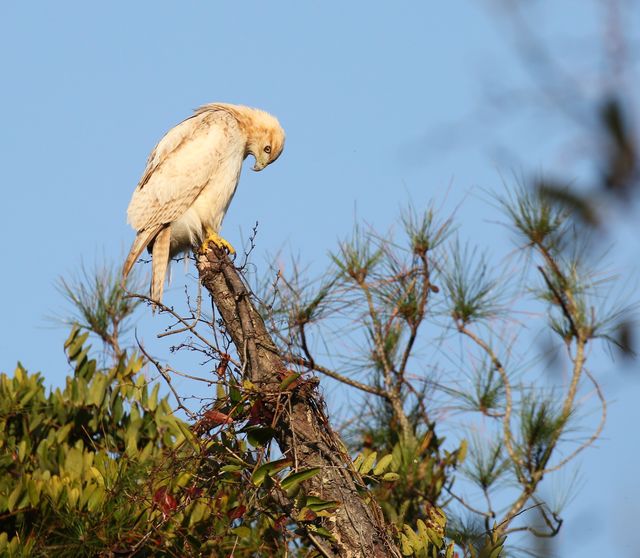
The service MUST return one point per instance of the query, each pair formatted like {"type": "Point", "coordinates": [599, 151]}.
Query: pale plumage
{"type": "Point", "coordinates": [190, 179]}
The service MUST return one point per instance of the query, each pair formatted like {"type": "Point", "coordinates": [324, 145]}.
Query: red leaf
{"type": "Point", "coordinates": [164, 500]}
{"type": "Point", "coordinates": [193, 492]}
{"type": "Point", "coordinates": [259, 414]}
{"type": "Point", "coordinates": [309, 515]}
{"type": "Point", "coordinates": [222, 367]}
{"type": "Point", "coordinates": [216, 417]}
{"type": "Point", "coordinates": [280, 523]}
{"type": "Point", "coordinates": [237, 512]}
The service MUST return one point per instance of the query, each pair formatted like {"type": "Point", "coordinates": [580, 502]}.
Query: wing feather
{"type": "Point", "coordinates": [143, 238]}
{"type": "Point", "coordinates": [180, 167]}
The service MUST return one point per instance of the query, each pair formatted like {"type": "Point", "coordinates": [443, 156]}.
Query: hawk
{"type": "Point", "coordinates": [189, 181]}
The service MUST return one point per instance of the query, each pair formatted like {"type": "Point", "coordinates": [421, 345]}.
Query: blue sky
{"type": "Point", "coordinates": [383, 103]}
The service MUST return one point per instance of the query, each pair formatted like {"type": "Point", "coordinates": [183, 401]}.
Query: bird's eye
{"type": "Point", "coordinates": [267, 149]}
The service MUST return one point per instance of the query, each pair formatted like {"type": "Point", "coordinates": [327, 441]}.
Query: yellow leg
{"type": "Point", "coordinates": [215, 238]}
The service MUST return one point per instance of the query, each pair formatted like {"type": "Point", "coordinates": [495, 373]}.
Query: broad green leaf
{"type": "Point", "coordinates": [63, 433]}
{"type": "Point", "coordinates": [235, 395]}
{"type": "Point", "coordinates": [34, 488]}
{"type": "Point", "coordinates": [261, 473]}
{"type": "Point", "coordinates": [13, 497]}
{"type": "Point", "coordinates": [289, 379]}
{"type": "Point", "coordinates": [96, 499]}
{"type": "Point", "coordinates": [22, 450]}
{"type": "Point", "coordinates": [153, 398]}
{"type": "Point", "coordinates": [296, 478]}
{"type": "Point", "coordinates": [221, 392]}
{"type": "Point", "coordinates": [199, 512]}
{"type": "Point", "coordinates": [415, 541]}
{"type": "Point", "coordinates": [98, 390]}
{"type": "Point", "coordinates": [367, 464]}
{"type": "Point", "coordinates": [422, 532]}
{"type": "Point", "coordinates": [74, 463]}
{"type": "Point", "coordinates": [187, 434]}
{"type": "Point", "coordinates": [434, 537]}
{"type": "Point", "coordinates": [390, 477]}
{"type": "Point", "coordinates": [405, 545]}
{"type": "Point", "coordinates": [318, 504]}
{"type": "Point", "coordinates": [382, 465]}
{"type": "Point", "coordinates": [397, 458]}
{"type": "Point", "coordinates": [259, 436]}
{"type": "Point", "coordinates": [242, 531]}
{"type": "Point", "coordinates": [73, 495]}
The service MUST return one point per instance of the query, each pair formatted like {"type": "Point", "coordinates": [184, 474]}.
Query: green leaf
{"type": "Point", "coordinates": [462, 451]}
{"type": "Point", "coordinates": [296, 478]}
{"type": "Point", "coordinates": [259, 436]}
{"type": "Point", "coordinates": [74, 463]}
{"type": "Point", "coordinates": [390, 477]}
{"type": "Point", "coordinates": [63, 433]}
{"type": "Point", "coordinates": [188, 435]}
{"type": "Point", "coordinates": [382, 465]}
{"type": "Point", "coordinates": [199, 512]}
{"type": "Point", "coordinates": [22, 450]}
{"type": "Point", "coordinates": [318, 504]}
{"type": "Point", "coordinates": [34, 488]}
{"type": "Point", "coordinates": [153, 397]}
{"type": "Point", "coordinates": [261, 473]}
{"type": "Point", "coordinates": [98, 390]}
{"type": "Point", "coordinates": [235, 395]}
{"type": "Point", "coordinates": [96, 499]}
{"type": "Point", "coordinates": [407, 549]}
{"type": "Point", "coordinates": [13, 498]}
{"type": "Point", "coordinates": [242, 531]}
{"type": "Point", "coordinates": [367, 464]}
{"type": "Point", "coordinates": [422, 532]}
{"type": "Point", "coordinates": [289, 379]}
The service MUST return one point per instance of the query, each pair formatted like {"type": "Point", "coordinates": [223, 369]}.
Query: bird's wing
{"type": "Point", "coordinates": [143, 238]}
{"type": "Point", "coordinates": [180, 167]}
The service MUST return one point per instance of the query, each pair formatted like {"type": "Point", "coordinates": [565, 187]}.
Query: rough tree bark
{"type": "Point", "coordinates": [303, 431]}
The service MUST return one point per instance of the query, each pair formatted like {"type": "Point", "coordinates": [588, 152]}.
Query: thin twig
{"type": "Point", "coordinates": [335, 375]}
{"type": "Point", "coordinates": [166, 377]}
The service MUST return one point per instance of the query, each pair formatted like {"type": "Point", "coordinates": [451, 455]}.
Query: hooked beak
{"type": "Point", "coordinates": [259, 165]}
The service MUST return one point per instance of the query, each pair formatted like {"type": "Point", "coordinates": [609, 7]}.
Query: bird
{"type": "Point", "coordinates": [190, 179]}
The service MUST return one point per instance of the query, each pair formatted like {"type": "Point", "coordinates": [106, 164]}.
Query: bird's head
{"type": "Point", "coordinates": [265, 139]}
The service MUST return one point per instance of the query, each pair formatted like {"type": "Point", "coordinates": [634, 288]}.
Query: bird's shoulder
{"type": "Point", "coordinates": [213, 126]}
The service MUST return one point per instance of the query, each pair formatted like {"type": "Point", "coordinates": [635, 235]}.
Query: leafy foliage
{"type": "Point", "coordinates": [103, 466]}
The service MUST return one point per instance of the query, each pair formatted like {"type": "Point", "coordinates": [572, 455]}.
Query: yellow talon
{"type": "Point", "coordinates": [216, 239]}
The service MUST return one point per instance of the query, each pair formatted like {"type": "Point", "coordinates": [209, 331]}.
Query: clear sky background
{"type": "Point", "coordinates": [383, 103]}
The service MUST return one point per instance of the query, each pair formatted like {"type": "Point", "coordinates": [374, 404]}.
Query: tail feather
{"type": "Point", "coordinates": [139, 244]}
{"type": "Point", "coordinates": [160, 262]}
